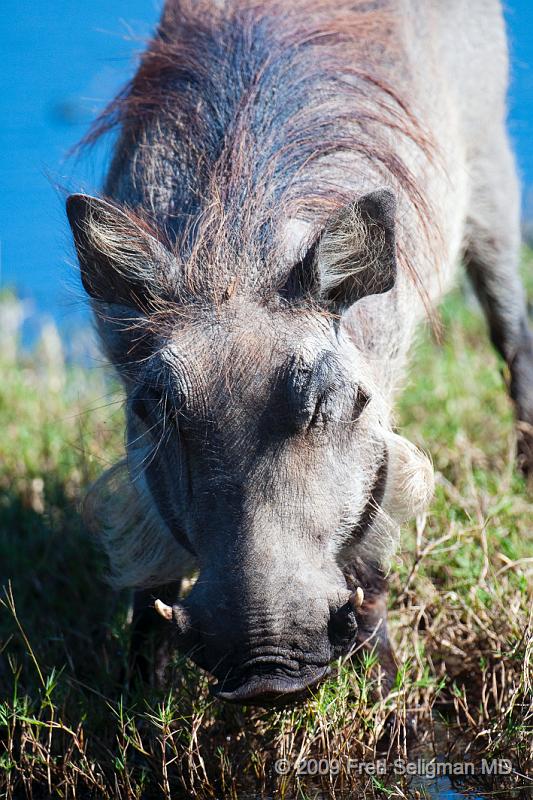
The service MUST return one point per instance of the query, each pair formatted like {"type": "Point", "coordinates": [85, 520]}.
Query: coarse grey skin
{"type": "Point", "coordinates": [259, 423]}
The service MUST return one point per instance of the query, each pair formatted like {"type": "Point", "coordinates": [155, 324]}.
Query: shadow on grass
{"type": "Point", "coordinates": [71, 618]}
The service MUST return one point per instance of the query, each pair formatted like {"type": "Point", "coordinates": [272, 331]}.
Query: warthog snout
{"type": "Point", "coordinates": [268, 665]}
{"type": "Point", "coordinates": [272, 689]}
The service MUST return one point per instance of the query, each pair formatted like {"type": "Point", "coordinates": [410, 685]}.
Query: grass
{"type": "Point", "coordinates": [461, 612]}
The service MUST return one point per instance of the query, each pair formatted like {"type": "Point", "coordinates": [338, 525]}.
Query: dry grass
{"type": "Point", "coordinates": [461, 614]}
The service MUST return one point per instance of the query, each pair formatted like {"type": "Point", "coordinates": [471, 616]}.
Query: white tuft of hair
{"type": "Point", "coordinates": [141, 550]}
{"type": "Point", "coordinates": [410, 479]}
{"type": "Point", "coordinates": [408, 492]}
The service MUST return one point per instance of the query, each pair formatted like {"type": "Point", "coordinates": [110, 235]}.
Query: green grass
{"type": "Point", "coordinates": [460, 609]}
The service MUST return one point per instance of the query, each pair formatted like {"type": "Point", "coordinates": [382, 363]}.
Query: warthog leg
{"type": "Point", "coordinates": [492, 260]}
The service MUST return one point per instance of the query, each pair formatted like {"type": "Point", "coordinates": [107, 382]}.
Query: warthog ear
{"type": "Point", "coordinates": [121, 262]}
{"type": "Point", "coordinates": [353, 256]}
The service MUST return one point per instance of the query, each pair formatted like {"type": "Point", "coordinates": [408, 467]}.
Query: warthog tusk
{"type": "Point", "coordinates": [163, 609]}
{"type": "Point", "coordinates": [176, 614]}
{"type": "Point", "coordinates": [357, 598]}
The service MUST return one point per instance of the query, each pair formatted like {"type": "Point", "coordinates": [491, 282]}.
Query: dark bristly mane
{"type": "Point", "coordinates": [239, 111]}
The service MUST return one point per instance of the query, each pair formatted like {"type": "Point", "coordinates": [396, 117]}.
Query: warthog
{"type": "Point", "coordinates": [292, 187]}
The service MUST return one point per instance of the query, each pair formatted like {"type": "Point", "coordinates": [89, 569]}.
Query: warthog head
{"type": "Point", "coordinates": [258, 438]}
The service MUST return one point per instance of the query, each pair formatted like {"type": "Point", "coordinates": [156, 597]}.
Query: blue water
{"type": "Point", "coordinates": [61, 62]}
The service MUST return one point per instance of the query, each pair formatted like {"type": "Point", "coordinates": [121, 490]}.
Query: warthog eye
{"type": "Point", "coordinates": [152, 404]}
{"type": "Point", "coordinates": [318, 414]}
{"type": "Point", "coordinates": [146, 403]}
{"type": "Point", "coordinates": [330, 406]}
{"type": "Point", "coordinates": [362, 399]}
{"type": "Point", "coordinates": [320, 392]}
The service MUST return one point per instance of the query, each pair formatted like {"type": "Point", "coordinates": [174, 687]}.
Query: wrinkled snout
{"type": "Point", "coordinates": [265, 657]}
